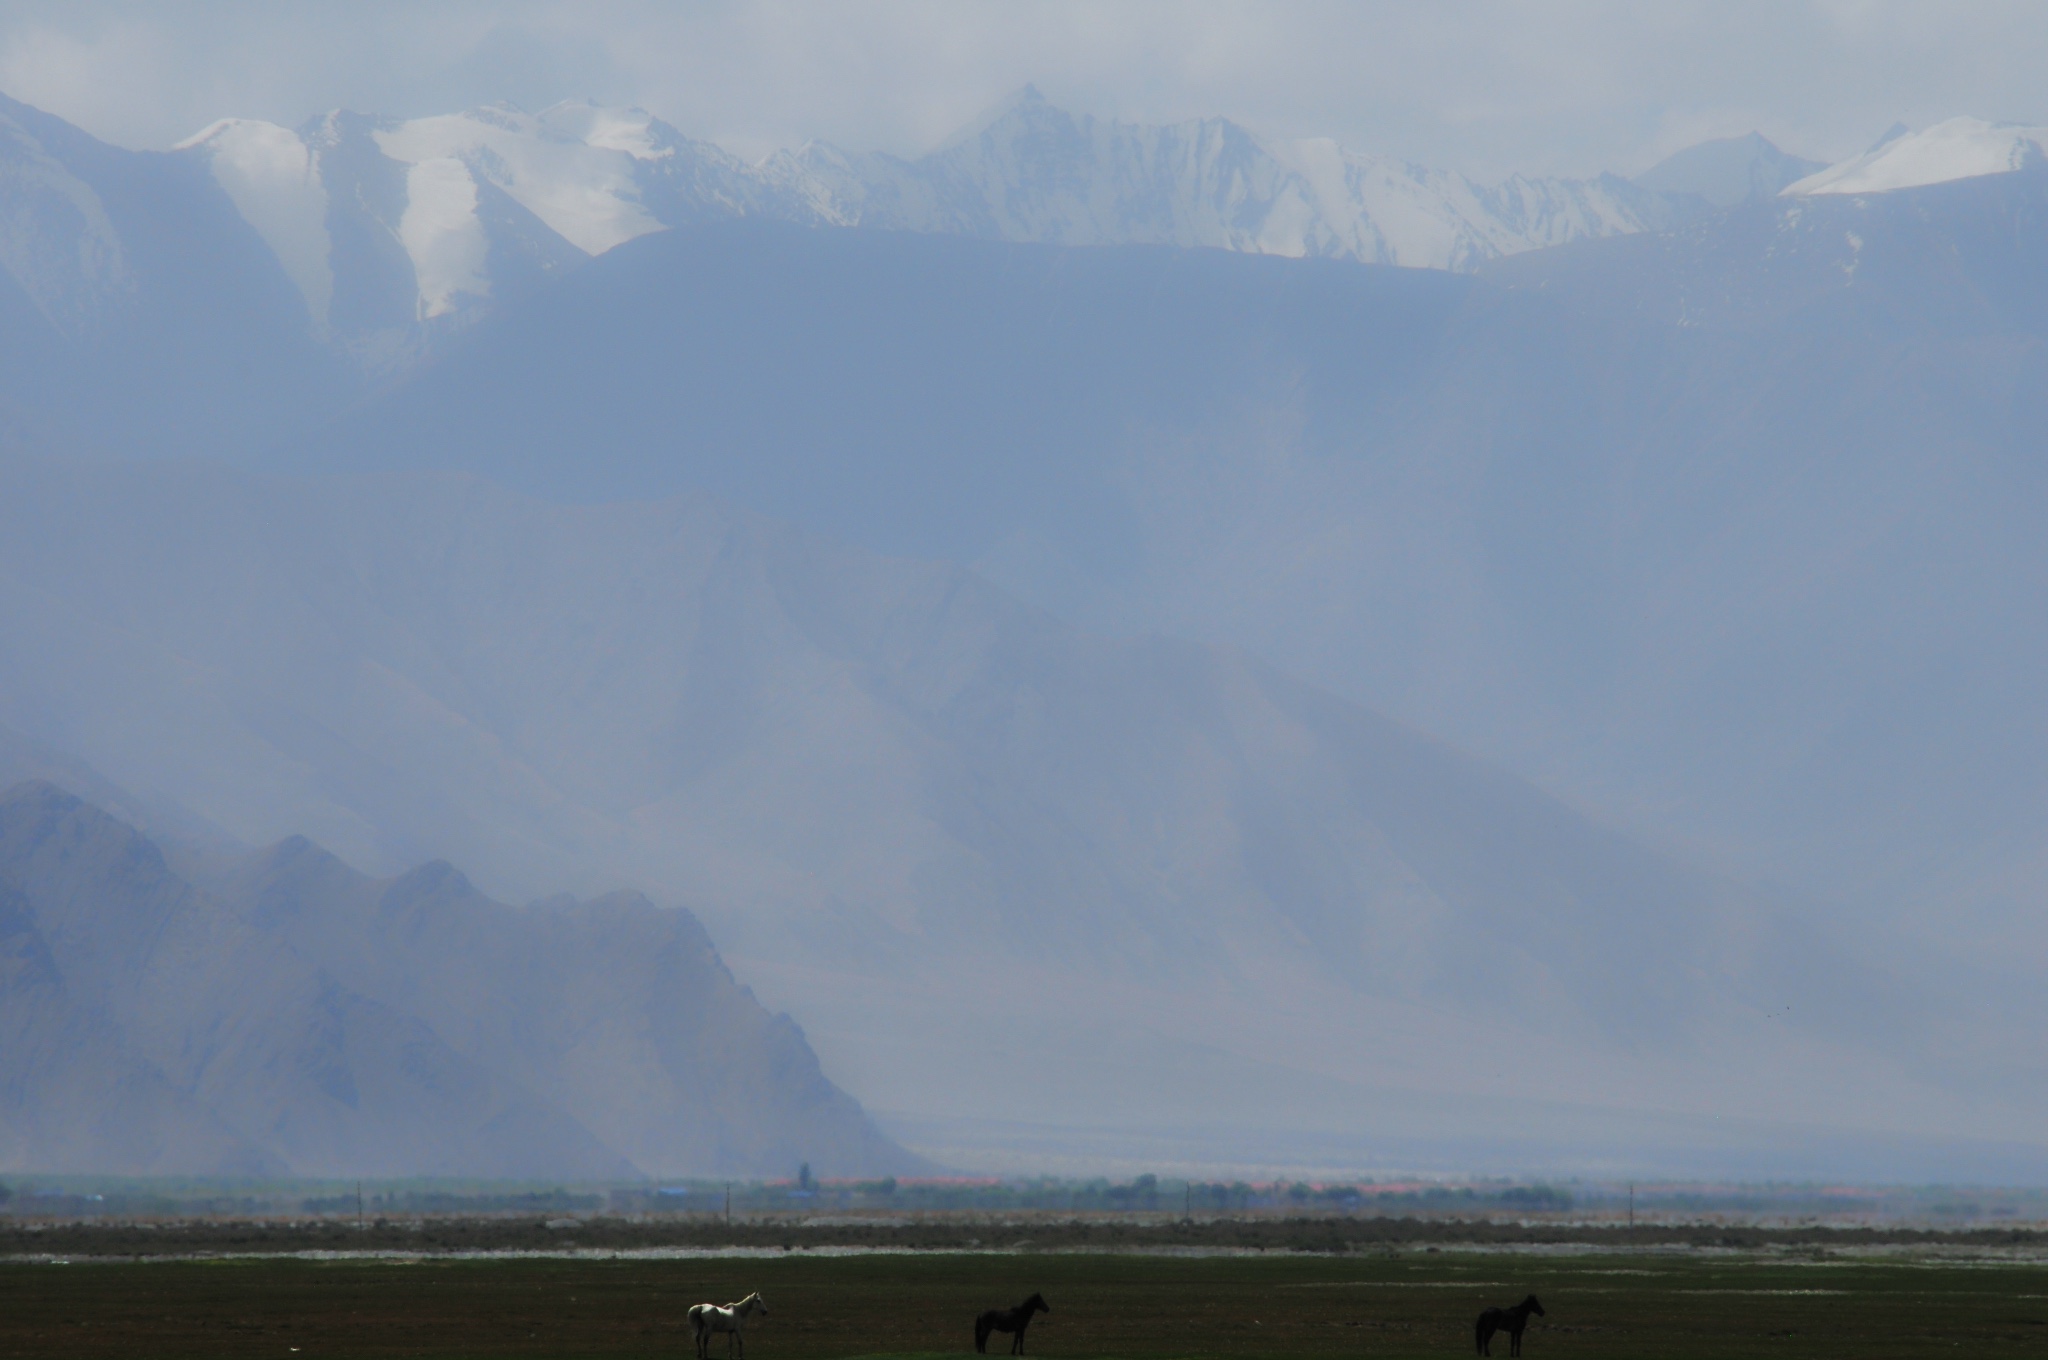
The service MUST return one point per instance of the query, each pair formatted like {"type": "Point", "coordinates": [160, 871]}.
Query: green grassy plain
{"type": "Point", "coordinates": [1391, 1304]}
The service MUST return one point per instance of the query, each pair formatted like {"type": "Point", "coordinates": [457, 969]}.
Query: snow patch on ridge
{"type": "Point", "coordinates": [443, 235]}
{"type": "Point", "coordinates": [1960, 148]}
{"type": "Point", "coordinates": [585, 193]}
{"type": "Point", "coordinates": [274, 180]}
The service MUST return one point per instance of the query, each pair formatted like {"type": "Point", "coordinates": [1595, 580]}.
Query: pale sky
{"type": "Point", "coordinates": [1485, 86]}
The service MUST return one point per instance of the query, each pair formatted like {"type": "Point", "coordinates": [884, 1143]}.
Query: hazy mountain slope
{"type": "Point", "coordinates": [1726, 530]}
{"type": "Point", "coordinates": [950, 834]}
{"type": "Point", "coordinates": [915, 393]}
{"type": "Point", "coordinates": [163, 984]}
{"type": "Point", "coordinates": [312, 1020]}
{"type": "Point", "coordinates": [139, 312]}
{"type": "Point", "coordinates": [1793, 552]}
{"type": "Point", "coordinates": [73, 1096]}
{"type": "Point", "coordinates": [166, 821]}
{"type": "Point", "coordinates": [614, 1009]}
{"type": "Point", "coordinates": [1728, 171]}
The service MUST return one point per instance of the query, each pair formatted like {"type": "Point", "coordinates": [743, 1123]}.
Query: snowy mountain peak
{"type": "Point", "coordinates": [1960, 148]}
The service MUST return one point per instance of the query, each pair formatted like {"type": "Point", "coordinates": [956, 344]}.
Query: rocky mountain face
{"type": "Point", "coordinates": [302, 1018]}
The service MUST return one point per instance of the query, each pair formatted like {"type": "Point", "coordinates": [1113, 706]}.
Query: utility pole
{"type": "Point", "coordinates": [1631, 1204]}
{"type": "Point", "coordinates": [1187, 1200]}
{"type": "Point", "coordinates": [728, 1203]}
{"type": "Point", "coordinates": [359, 1206]}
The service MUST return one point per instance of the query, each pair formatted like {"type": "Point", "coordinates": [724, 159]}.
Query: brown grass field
{"type": "Point", "coordinates": [1393, 1303]}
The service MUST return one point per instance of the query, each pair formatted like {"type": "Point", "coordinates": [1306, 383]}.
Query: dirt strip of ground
{"type": "Point", "coordinates": [1337, 1235]}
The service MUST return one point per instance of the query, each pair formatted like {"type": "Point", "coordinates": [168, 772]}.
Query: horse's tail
{"type": "Point", "coordinates": [981, 1331]}
{"type": "Point", "coordinates": [1482, 1332]}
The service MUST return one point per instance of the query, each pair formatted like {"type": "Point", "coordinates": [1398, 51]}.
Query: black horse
{"type": "Point", "coordinates": [1509, 1320]}
{"type": "Point", "coordinates": [1008, 1320]}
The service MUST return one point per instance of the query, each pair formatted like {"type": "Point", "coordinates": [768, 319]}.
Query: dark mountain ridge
{"type": "Point", "coordinates": [153, 1028]}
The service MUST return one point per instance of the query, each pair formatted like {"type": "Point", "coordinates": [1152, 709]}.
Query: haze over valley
{"type": "Point", "coordinates": [1308, 658]}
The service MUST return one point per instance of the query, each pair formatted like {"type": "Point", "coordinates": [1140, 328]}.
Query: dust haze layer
{"type": "Point", "coordinates": [1724, 531]}
{"type": "Point", "coordinates": [955, 837]}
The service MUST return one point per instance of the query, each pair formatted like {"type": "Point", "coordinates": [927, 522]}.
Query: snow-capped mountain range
{"type": "Point", "coordinates": [1729, 532]}
{"type": "Point", "coordinates": [391, 230]}
{"type": "Point", "coordinates": [473, 205]}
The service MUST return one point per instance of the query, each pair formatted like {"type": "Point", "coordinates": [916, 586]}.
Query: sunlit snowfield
{"type": "Point", "coordinates": [1398, 1303]}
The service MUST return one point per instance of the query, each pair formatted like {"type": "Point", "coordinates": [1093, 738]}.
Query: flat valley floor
{"type": "Point", "coordinates": [1405, 1303]}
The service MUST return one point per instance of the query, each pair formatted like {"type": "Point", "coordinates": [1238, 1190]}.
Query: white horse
{"type": "Point", "coordinates": [707, 1318]}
